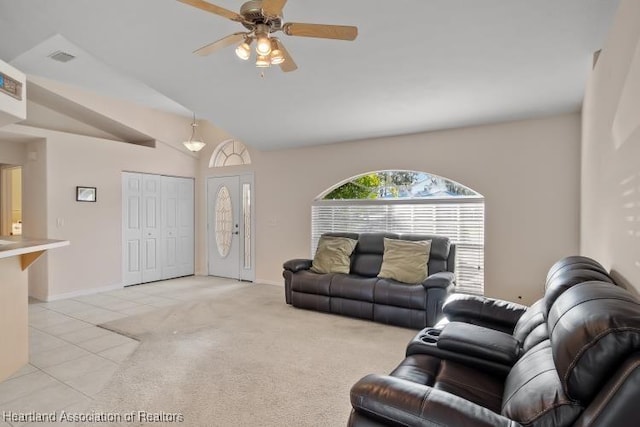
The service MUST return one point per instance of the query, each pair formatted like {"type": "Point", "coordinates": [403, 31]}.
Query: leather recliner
{"type": "Point", "coordinates": [459, 340]}
{"type": "Point", "coordinates": [504, 315]}
{"type": "Point", "coordinates": [587, 373]}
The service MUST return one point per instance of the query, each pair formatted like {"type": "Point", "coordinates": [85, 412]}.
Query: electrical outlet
{"type": "Point", "coordinates": [60, 222]}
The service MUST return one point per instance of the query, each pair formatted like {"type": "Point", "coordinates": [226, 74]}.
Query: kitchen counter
{"type": "Point", "coordinates": [20, 245]}
{"type": "Point", "coordinates": [17, 253]}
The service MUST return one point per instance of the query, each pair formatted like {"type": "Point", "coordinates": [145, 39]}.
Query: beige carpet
{"type": "Point", "coordinates": [245, 358]}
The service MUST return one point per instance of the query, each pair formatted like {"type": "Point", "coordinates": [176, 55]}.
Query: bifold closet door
{"type": "Point", "coordinates": [186, 227]}
{"type": "Point", "coordinates": [151, 227]}
{"type": "Point", "coordinates": [158, 227]}
{"type": "Point", "coordinates": [177, 227]}
{"type": "Point", "coordinates": [131, 228]}
{"type": "Point", "coordinates": [169, 227]}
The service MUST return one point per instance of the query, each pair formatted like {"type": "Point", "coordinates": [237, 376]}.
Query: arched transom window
{"type": "Point", "coordinates": [409, 202]}
{"type": "Point", "coordinates": [230, 153]}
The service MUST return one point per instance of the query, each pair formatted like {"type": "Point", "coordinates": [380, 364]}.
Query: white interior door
{"type": "Point", "coordinates": [132, 228]}
{"type": "Point", "coordinates": [223, 224]}
{"type": "Point", "coordinates": [186, 227]}
{"type": "Point", "coordinates": [151, 228]}
{"type": "Point", "coordinates": [169, 227]}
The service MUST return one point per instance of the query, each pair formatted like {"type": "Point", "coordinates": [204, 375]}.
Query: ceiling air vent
{"type": "Point", "coordinates": [61, 56]}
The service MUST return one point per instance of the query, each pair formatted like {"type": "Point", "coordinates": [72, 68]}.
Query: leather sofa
{"type": "Point", "coordinates": [586, 373]}
{"type": "Point", "coordinates": [363, 295]}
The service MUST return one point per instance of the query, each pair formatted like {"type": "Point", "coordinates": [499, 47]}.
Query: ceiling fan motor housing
{"type": "Point", "coordinates": [251, 11]}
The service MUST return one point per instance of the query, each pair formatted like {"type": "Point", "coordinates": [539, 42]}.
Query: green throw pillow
{"type": "Point", "coordinates": [333, 255]}
{"type": "Point", "coordinates": [405, 261]}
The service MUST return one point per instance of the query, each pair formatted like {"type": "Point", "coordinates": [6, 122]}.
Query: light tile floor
{"type": "Point", "coordinates": [71, 359]}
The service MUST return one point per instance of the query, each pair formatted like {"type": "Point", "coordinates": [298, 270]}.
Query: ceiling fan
{"type": "Point", "coordinates": [263, 18]}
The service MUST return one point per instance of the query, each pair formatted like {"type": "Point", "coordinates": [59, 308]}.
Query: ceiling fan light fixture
{"type": "Point", "coordinates": [263, 61]}
{"type": "Point", "coordinates": [277, 57]}
{"type": "Point", "coordinates": [262, 19]}
{"type": "Point", "coordinates": [195, 142]}
{"type": "Point", "coordinates": [243, 51]}
{"type": "Point", "coordinates": [263, 45]}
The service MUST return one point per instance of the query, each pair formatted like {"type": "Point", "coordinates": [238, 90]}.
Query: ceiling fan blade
{"type": "Point", "coordinates": [338, 32]}
{"type": "Point", "coordinates": [220, 44]}
{"type": "Point", "coordinates": [288, 65]}
{"type": "Point", "coordinates": [200, 4]}
{"type": "Point", "coordinates": [273, 7]}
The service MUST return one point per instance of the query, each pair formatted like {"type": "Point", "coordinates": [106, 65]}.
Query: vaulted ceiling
{"type": "Point", "coordinates": [417, 65]}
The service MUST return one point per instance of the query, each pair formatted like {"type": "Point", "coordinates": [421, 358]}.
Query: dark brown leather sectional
{"type": "Point", "coordinates": [571, 359]}
{"type": "Point", "coordinates": [362, 294]}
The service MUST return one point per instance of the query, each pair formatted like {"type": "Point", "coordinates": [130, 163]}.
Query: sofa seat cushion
{"type": "Point", "coordinates": [311, 283]}
{"type": "Point", "coordinates": [353, 287]}
{"type": "Point", "coordinates": [476, 386]}
{"type": "Point", "coordinates": [391, 292]}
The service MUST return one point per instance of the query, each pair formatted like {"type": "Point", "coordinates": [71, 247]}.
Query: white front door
{"type": "Point", "coordinates": [223, 222]}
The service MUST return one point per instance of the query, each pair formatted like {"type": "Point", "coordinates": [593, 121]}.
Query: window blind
{"type": "Point", "coordinates": [462, 220]}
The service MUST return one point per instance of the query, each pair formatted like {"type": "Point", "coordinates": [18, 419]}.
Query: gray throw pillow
{"type": "Point", "coordinates": [405, 261]}
{"type": "Point", "coordinates": [333, 255]}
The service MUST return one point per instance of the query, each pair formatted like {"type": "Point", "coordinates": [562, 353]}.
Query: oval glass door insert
{"type": "Point", "coordinates": [224, 221]}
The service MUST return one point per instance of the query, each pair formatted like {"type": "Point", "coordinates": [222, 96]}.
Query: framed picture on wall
{"type": "Point", "coordinates": [86, 194]}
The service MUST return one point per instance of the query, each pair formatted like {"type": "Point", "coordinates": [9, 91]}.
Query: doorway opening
{"type": "Point", "coordinates": [10, 200]}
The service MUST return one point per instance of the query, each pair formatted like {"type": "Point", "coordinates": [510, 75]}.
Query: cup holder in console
{"type": "Point", "coordinates": [430, 336]}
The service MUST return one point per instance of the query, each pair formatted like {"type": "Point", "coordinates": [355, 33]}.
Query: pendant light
{"type": "Point", "coordinates": [195, 142]}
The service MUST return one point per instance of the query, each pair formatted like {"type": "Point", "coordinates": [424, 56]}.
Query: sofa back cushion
{"type": "Point", "coordinates": [567, 279]}
{"type": "Point", "coordinates": [533, 394]}
{"type": "Point", "coordinates": [570, 262]}
{"type": "Point", "coordinates": [367, 256]}
{"type": "Point", "coordinates": [594, 327]}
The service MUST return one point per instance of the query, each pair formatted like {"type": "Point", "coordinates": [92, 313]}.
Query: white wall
{"type": "Point", "coordinates": [528, 172]}
{"type": "Point", "coordinates": [12, 152]}
{"type": "Point", "coordinates": [610, 211]}
{"type": "Point", "coordinates": [94, 259]}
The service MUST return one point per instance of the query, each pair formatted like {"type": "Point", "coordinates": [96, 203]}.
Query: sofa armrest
{"type": "Point", "coordinates": [479, 342]}
{"type": "Point", "coordinates": [407, 403]}
{"type": "Point", "coordinates": [443, 279]}
{"type": "Point", "coordinates": [298, 264]}
{"type": "Point", "coordinates": [483, 311]}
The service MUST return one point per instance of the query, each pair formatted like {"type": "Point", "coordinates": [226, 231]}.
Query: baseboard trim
{"type": "Point", "coordinates": [83, 292]}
